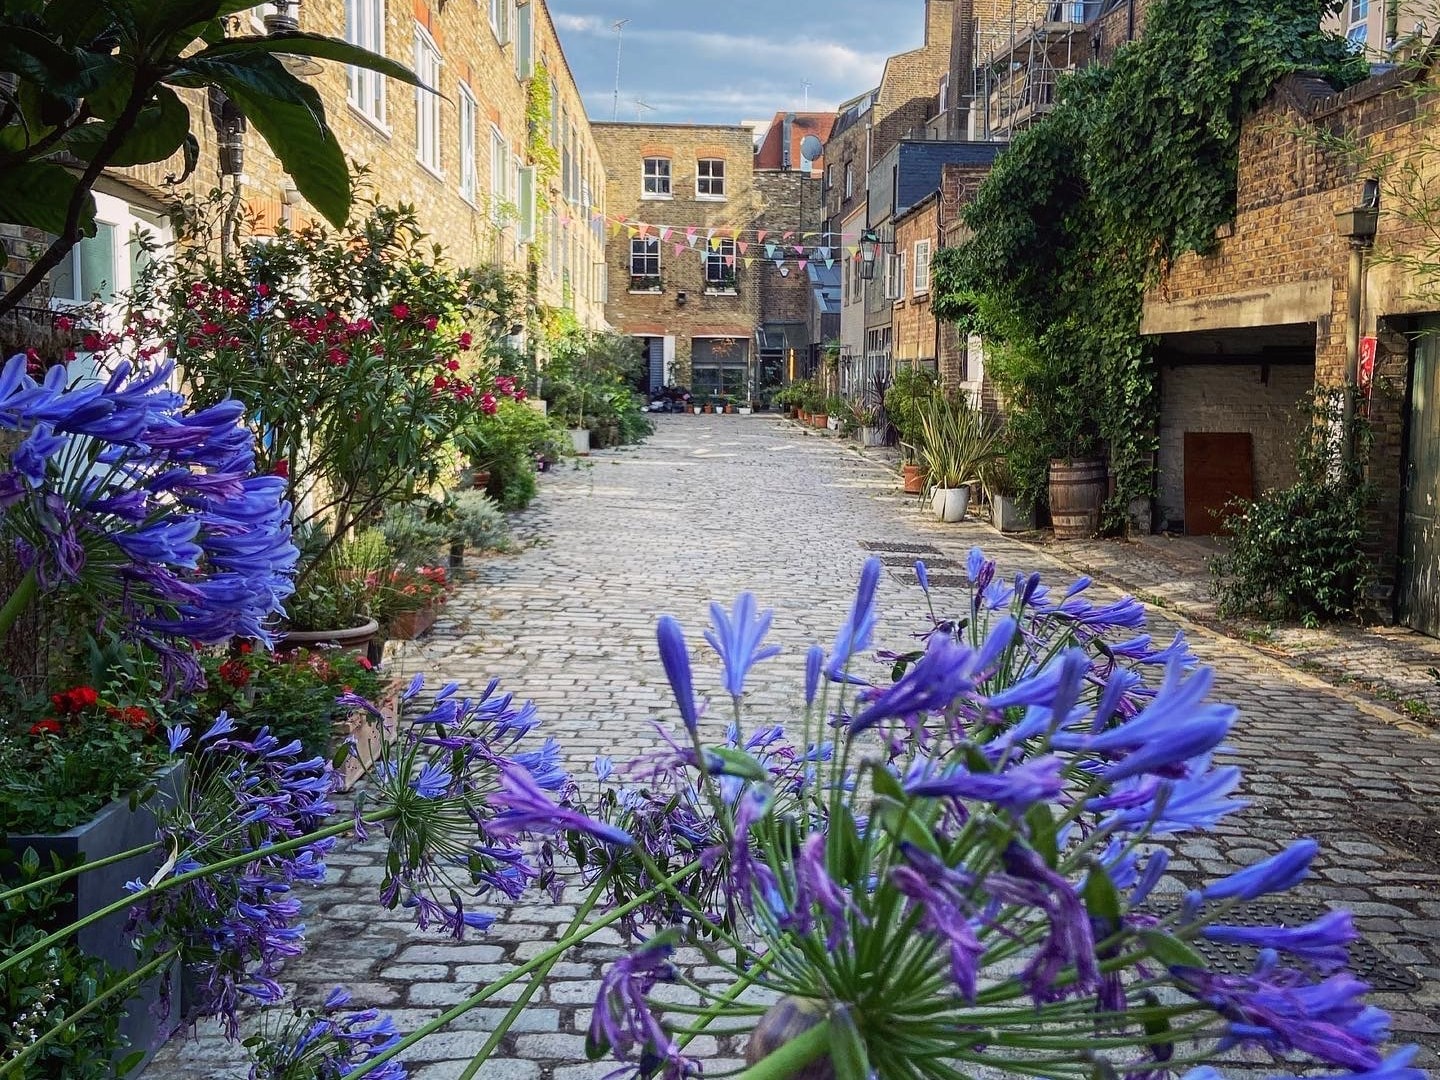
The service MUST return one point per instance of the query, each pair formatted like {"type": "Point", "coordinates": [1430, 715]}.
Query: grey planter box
{"type": "Point", "coordinates": [1008, 517]}
{"type": "Point", "coordinates": [113, 830]}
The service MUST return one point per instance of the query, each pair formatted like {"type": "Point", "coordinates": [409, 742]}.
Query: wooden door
{"type": "Point", "coordinates": [1219, 467]}
{"type": "Point", "coordinates": [1420, 537]}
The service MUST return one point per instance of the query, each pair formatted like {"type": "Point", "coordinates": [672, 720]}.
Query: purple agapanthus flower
{"type": "Point", "coordinates": [855, 634]}
{"type": "Point", "coordinates": [736, 637]}
{"type": "Point", "coordinates": [1320, 943]}
{"type": "Point", "coordinates": [525, 808]}
{"type": "Point", "coordinates": [1017, 788]}
{"type": "Point", "coordinates": [1275, 874]}
{"type": "Point", "coordinates": [675, 656]}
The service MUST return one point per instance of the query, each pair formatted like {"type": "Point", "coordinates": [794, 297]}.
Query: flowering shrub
{"type": "Point", "coordinates": [359, 355]}
{"type": "Point", "coordinates": [410, 588]}
{"type": "Point", "coordinates": [293, 694]}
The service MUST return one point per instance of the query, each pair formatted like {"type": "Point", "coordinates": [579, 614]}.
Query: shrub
{"type": "Point", "coordinates": [1300, 551]}
{"type": "Point", "coordinates": [477, 519]}
{"type": "Point", "coordinates": [905, 403]}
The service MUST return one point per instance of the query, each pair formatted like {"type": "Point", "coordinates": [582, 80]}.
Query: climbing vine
{"type": "Point", "coordinates": [544, 156]}
{"type": "Point", "coordinates": [1136, 164]}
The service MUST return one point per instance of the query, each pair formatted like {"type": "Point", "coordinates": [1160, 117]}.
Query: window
{"type": "Point", "coordinates": [895, 277]}
{"type": "Point", "coordinates": [526, 199]}
{"type": "Point", "coordinates": [720, 367]}
{"type": "Point", "coordinates": [657, 178]}
{"type": "Point", "coordinates": [644, 264]}
{"type": "Point", "coordinates": [525, 40]}
{"type": "Point", "coordinates": [720, 266]}
{"type": "Point", "coordinates": [102, 266]}
{"type": "Point", "coordinates": [1358, 12]}
{"type": "Point", "coordinates": [499, 21]}
{"type": "Point", "coordinates": [710, 178]}
{"type": "Point", "coordinates": [467, 143]}
{"type": "Point", "coordinates": [365, 26]}
{"type": "Point", "coordinates": [944, 95]}
{"type": "Point", "coordinates": [922, 267]}
{"type": "Point", "coordinates": [829, 177]}
{"type": "Point", "coordinates": [427, 102]}
{"type": "Point", "coordinates": [499, 176]}
{"type": "Point", "coordinates": [849, 180]}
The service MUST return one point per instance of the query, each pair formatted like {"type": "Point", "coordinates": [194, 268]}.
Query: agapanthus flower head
{"type": "Point", "coordinates": [737, 636]}
{"type": "Point", "coordinates": [675, 656]}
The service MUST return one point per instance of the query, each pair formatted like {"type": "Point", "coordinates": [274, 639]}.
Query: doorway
{"type": "Point", "coordinates": [1420, 536]}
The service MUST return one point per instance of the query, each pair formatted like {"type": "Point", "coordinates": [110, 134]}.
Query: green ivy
{"type": "Point", "coordinates": [1135, 165]}
{"type": "Point", "coordinates": [546, 158]}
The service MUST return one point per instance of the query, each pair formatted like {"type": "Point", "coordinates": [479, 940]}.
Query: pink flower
{"type": "Point", "coordinates": [488, 405]}
{"type": "Point", "coordinates": [431, 322]}
{"type": "Point", "coordinates": [400, 311]}
{"type": "Point", "coordinates": [465, 340]}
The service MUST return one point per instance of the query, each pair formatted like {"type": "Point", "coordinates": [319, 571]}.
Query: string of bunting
{"type": "Point", "coordinates": [750, 245]}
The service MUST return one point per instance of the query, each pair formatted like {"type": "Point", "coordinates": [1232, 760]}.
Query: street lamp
{"type": "Point", "coordinates": [869, 254]}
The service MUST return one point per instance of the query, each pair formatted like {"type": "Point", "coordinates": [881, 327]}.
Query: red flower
{"type": "Point", "coordinates": [488, 405]}
{"type": "Point", "coordinates": [400, 311]}
{"type": "Point", "coordinates": [452, 365]}
{"type": "Point", "coordinates": [45, 727]}
{"type": "Point", "coordinates": [91, 342]}
{"type": "Point", "coordinates": [244, 648]}
{"type": "Point", "coordinates": [74, 701]}
{"type": "Point", "coordinates": [64, 323]}
{"type": "Point", "coordinates": [282, 468]}
{"type": "Point", "coordinates": [366, 664]}
{"type": "Point", "coordinates": [138, 718]}
{"type": "Point", "coordinates": [235, 673]}
{"type": "Point", "coordinates": [441, 382]}
{"type": "Point", "coordinates": [465, 340]}
{"type": "Point", "coordinates": [262, 289]}
{"type": "Point", "coordinates": [210, 328]}
{"type": "Point", "coordinates": [431, 322]}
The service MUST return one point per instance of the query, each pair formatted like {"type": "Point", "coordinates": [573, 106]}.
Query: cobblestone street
{"type": "Point", "coordinates": [713, 505]}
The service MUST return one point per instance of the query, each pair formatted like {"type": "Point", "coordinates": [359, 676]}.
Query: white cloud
{"type": "Point", "coordinates": [578, 24]}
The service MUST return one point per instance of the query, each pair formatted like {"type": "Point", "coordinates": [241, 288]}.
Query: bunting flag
{"type": "Point", "coordinates": [742, 247]}
{"type": "Point", "coordinates": [749, 262]}
{"type": "Point", "coordinates": [729, 260]}
{"type": "Point", "coordinates": [770, 250]}
{"type": "Point", "coordinates": [760, 236]}
{"type": "Point", "coordinates": [788, 235]}
{"type": "Point", "coordinates": [799, 249]}
{"type": "Point", "coordinates": [665, 233]}
{"type": "Point", "coordinates": [679, 249]}
{"type": "Point", "coordinates": [829, 264]}
{"type": "Point", "coordinates": [804, 263]}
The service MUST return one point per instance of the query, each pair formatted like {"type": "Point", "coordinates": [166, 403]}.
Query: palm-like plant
{"type": "Point", "coordinates": [957, 442]}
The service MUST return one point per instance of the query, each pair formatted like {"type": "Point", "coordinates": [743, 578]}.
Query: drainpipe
{"type": "Point", "coordinates": [1355, 295]}
{"type": "Point", "coordinates": [1392, 24]}
{"type": "Point", "coordinates": [1130, 23]}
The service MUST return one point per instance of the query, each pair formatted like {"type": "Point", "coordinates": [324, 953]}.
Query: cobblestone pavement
{"type": "Point", "coordinates": [713, 505]}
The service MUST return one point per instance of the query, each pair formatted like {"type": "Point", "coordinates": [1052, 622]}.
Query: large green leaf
{"type": "Point", "coordinates": [316, 45]}
{"type": "Point", "coordinates": [258, 72]}
{"type": "Point", "coordinates": [847, 1048]}
{"type": "Point", "coordinates": [38, 194]}
{"type": "Point", "coordinates": [159, 131]}
{"type": "Point", "coordinates": [303, 142]}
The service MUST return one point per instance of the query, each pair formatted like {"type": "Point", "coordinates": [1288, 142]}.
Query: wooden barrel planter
{"type": "Point", "coordinates": [1077, 491]}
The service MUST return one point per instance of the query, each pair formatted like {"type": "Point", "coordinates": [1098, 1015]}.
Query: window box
{"type": "Point", "coordinates": [725, 286]}
{"type": "Point", "coordinates": [645, 283]}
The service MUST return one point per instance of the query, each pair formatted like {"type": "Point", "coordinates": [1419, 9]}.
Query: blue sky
{"type": "Point", "coordinates": [723, 61]}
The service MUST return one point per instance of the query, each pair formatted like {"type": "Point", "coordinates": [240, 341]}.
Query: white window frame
{"type": "Point", "coordinates": [500, 21]}
{"type": "Point", "coordinates": [849, 180]}
{"type": "Point", "coordinates": [365, 26]}
{"type": "Point", "coordinates": [1357, 21]}
{"type": "Point", "coordinates": [469, 125]}
{"type": "Point", "coordinates": [499, 175]}
{"type": "Point", "coordinates": [524, 13]}
{"type": "Point", "coordinates": [643, 249]}
{"type": "Point", "coordinates": [921, 284]}
{"type": "Point", "coordinates": [257, 16]}
{"type": "Point", "coordinates": [427, 102]}
{"type": "Point", "coordinates": [703, 165]}
{"type": "Point", "coordinates": [895, 277]}
{"type": "Point", "coordinates": [717, 270]}
{"type": "Point", "coordinates": [646, 177]}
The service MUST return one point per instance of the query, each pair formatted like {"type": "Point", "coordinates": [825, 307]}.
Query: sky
{"type": "Point", "coordinates": [724, 61]}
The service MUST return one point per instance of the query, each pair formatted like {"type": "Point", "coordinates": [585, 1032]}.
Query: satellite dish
{"type": "Point", "coordinates": [811, 148]}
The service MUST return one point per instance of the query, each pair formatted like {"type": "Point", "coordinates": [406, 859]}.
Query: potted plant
{"type": "Point", "coordinates": [904, 400]}
{"type": "Point", "coordinates": [332, 606]}
{"type": "Point", "coordinates": [958, 443]}
{"type": "Point", "coordinates": [410, 599]}
{"type": "Point", "coordinates": [709, 406]}
{"type": "Point", "coordinates": [1001, 488]}
{"type": "Point", "coordinates": [472, 521]}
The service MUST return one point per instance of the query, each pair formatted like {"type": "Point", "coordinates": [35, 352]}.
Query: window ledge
{"type": "Point", "coordinates": [721, 292]}
{"type": "Point", "coordinates": [375, 124]}
{"type": "Point", "coordinates": [645, 292]}
{"type": "Point", "coordinates": [711, 198]}
{"type": "Point", "coordinates": [650, 197]}
{"type": "Point", "coordinates": [436, 173]}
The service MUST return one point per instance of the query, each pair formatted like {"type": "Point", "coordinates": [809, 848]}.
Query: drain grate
{"type": "Point", "coordinates": [1366, 961]}
{"type": "Point", "coordinates": [930, 564]}
{"type": "Point", "coordinates": [1417, 835]}
{"type": "Point", "coordinates": [908, 549]}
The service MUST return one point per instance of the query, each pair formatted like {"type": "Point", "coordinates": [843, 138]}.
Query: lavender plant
{"type": "Point", "coordinates": [965, 867]}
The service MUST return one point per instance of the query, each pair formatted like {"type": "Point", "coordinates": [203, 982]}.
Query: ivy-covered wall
{"type": "Point", "coordinates": [1135, 166]}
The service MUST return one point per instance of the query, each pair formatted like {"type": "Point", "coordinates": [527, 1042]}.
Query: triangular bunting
{"type": "Point", "coordinates": [742, 246]}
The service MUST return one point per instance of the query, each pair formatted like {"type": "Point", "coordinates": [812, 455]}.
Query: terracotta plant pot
{"type": "Point", "coordinates": [819, 420]}
{"type": "Point", "coordinates": [802, 416]}
{"type": "Point", "coordinates": [480, 481]}
{"type": "Point", "coordinates": [353, 640]}
{"type": "Point", "coordinates": [729, 410]}
{"type": "Point", "coordinates": [409, 625]}
{"type": "Point", "coordinates": [709, 408]}
{"type": "Point", "coordinates": [913, 476]}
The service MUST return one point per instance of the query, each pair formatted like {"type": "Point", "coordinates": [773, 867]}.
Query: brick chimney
{"type": "Point", "coordinates": [938, 19]}
{"type": "Point", "coordinates": [962, 69]}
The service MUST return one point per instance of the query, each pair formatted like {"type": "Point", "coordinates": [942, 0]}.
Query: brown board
{"type": "Point", "coordinates": [1219, 466]}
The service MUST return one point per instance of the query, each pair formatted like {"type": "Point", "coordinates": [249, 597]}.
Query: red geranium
{"type": "Point", "coordinates": [45, 727]}
{"type": "Point", "coordinates": [400, 311]}
{"type": "Point", "coordinates": [74, 701]}
{"type": "Point", "coordinates": [235, 673]}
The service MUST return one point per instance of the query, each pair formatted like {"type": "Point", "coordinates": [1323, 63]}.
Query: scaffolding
{"type": "Point", "coordinates": [1022, 47]}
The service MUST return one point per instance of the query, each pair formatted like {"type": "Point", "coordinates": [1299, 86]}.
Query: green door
{"type": "Point", "coordinates": [1420, 542]}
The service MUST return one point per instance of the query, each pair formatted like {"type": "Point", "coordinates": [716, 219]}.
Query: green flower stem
{"type": "Point", "coordinates": [536, 980]}
{"type": "Point", "coordinates": [19, 600]}
{"type": "Point", "coordinates": [184, 879]}
{"type": "Point", "coordinates": [793, 1055]}
{"type": "Point", "coordinates": [550, 955]}
{"type": "Point", "coordinates": [726, 1002]}
{"type": "Point", "coordinates": [76, 871]}
{"type": "Point", "coordinates": [12, 1067]}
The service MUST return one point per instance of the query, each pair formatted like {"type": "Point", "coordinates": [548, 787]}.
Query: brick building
{"type": "Point", "coordinates": [1293, 293]}
{"type": "Point", "coordinates": [465, 158]}
{"type": "Point", "coordinates": [686, 201]}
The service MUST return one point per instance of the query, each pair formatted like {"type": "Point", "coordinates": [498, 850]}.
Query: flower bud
{"type": "Point", "coordinates": [788, 1019]}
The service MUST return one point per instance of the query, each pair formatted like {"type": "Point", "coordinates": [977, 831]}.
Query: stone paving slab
{"type": "Point", "coordinates": [711, 506]}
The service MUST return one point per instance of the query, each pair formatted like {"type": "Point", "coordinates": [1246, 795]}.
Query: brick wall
{"type": "Point", "coordinates": [623, 148]}
{"type": "Point", "coordinates": [785, 298]}
{"type": "Point", "coordinates": [1231, 398]}
{"type": "Point", "coordinates": [1283, 259]}
{"type": "Point", "coordinates": [913, 322]}
{"type": "Point", "coordinates": [470, 55]}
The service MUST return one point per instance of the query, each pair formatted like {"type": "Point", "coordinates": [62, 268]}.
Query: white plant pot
{"type": "Point", "coordinates": [1007, 515]}
{"type": "Point", "coordinates": [833, 423]}
{"type": "Point", "coordinates": [580, 440]}
{"type": "Point", "coordinates": [744, 410]}
{"type": "Point", "coordinates": [950, 504]}
{"type": "Point", "coordinates": [872, 436]}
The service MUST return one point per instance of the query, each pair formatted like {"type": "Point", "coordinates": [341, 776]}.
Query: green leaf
{"type": "Point", "coordinates": [1157, 1026]}
{"type": "Point", "coordinates": [316, 45]}
{"type": "Point", "coordinates": [303, 142]}
{"type": "Point", "coordinates": [1044, 839]}
{"type": "Point", "coordinates": [904, 827]}
{"type": "Point", "coordinates": [726, 761]}
{"type": "Point", "coordinates": [847, 1048]}
{"type": "Point", "coordinates": [159, 131]}
{"type": "Point", "coordinates": [1101, 897]}
{"type": "Point", "coordinates": [1170, 950]}
{"type": "Point", "coordinates": [884, 783]}
{"type": "Point", "coordinates": [128, 1063]}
